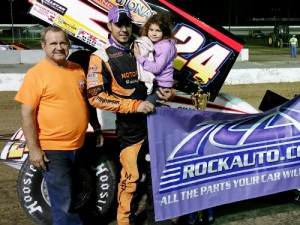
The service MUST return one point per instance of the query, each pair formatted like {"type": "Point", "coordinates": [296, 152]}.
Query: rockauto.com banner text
{"type": "Point", "coordinates": [202, 159]}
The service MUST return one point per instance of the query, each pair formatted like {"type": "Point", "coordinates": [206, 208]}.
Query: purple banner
{"type": "Point", "coordinates": [202, 159]}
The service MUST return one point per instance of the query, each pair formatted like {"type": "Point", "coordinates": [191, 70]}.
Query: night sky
{"type": "Point", "coordinates": [211, 12]}
{"type": "Point", "coordinates": [242, 12]}
{"type": "Point", "coordinates": [20, 9]}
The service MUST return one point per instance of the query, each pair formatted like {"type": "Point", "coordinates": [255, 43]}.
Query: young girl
{"type": "Point", "coordinates": [155, 52]}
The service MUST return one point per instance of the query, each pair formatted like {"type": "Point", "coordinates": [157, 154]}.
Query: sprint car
{"type": "Point", "coordinates": [97, 186]}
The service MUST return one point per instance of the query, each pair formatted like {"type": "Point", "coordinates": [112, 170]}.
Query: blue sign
{"type": "Point", "coordinates": [202, 159]}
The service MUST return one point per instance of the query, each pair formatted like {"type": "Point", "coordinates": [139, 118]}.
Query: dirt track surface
{"type": "Point", "coordinates": [278, 209]}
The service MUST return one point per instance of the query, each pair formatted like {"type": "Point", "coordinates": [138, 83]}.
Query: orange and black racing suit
{"type": "Point", "coordinates": [114, 86]}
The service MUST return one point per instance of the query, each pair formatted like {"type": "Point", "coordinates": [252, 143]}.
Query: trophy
{"type": "Point", "coordinates": [199, 97]}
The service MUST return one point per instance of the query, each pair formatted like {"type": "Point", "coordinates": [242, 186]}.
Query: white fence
{"type": "Point", "coordinates": [244, 30]}
{"type": "Point", "coordinates": [12, 81]}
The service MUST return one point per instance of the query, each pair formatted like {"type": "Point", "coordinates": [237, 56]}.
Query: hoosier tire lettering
{"type": "Point", "coordinates": [30, 192]}
{"type": "Point", "coordinates": [33, 194]}
{"type": "Point", "coordinates": [106, 185]}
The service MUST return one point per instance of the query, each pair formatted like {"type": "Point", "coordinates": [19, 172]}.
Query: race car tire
{"type": "Point", "coordinates": [98, 192]}
{"type": "Point", "coordinates": [297, 195]}
{"type": "Point", "coordinates": [32, 194]}
{"type": "Point", "coordinates": [106, 184]}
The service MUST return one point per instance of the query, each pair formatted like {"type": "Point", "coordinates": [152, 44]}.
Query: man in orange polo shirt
{"type": "Point", "coordinates": [55, 119]}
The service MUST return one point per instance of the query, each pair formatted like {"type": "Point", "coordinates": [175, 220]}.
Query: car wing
{"type": "Point", "coordinates": [205, 54]}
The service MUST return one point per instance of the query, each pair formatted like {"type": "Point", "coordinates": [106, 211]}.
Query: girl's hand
{"type": "Point", "coordinates": [136, 50]}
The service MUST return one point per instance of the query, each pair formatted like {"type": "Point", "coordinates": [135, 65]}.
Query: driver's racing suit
{"type": "Point", "coordinates": [112, 84]}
